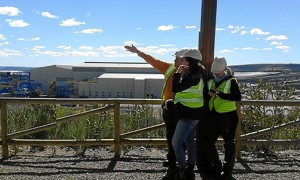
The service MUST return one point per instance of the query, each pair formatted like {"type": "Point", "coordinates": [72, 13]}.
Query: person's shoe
{"type": "Point", "coordinates": [171, 173]}
{"type": "Point", "coordinates": [180, 173]}
{"type": "Point", "coordinates": [189, 173]}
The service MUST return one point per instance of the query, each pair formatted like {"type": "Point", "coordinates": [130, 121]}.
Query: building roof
{"type": "Point", "coordinates": [114, 65]}
{"type": "Point", "coordinates": [130, 76]}
{"type": "Point", "coordinates": [69, 67]}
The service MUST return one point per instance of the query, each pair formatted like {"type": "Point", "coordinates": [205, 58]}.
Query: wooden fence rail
{"type": "Point", "coordinates": [121, 138]}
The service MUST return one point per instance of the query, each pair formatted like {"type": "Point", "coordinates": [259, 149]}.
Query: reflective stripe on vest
{"type": "Point", "coordinates": [221, 105]}
{"type": "Point", "coordinates": [191, 97]}
{"type": "Point", "coordinates": [167, 74]}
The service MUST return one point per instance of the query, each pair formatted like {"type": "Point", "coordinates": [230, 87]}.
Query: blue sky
{"type": "Point", "coordinates": [69, 32]}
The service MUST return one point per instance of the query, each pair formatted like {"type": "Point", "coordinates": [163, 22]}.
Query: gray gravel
{"type": "Point", "coordinates": [135, 163]}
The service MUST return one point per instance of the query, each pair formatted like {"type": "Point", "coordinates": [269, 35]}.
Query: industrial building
{"type": "Point", "coordinates": [136, 80]}
{"type": "Point", "coordinates": [17, 84]}
{"type": "Point", "coordinates": [101, 80]}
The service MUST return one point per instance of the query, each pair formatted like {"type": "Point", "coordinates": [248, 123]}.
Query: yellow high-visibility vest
{"type": "Point", "coordinates": [191, 97]}
{"type": "Point", "coordinates": [221, 105]}
{"type": "Point", "coordinates": [167, 74]}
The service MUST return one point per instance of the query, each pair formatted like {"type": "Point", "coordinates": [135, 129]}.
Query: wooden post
{"type": "Point", "coordinates": [117, 129]}
{"type": "Point", "coordinates": [238, 144]}
{"type": "Point", "coordinates": [207, 32]}
{"type": "Point", "coordinates": [5, 151]}
{"type": "Point", "coordinates": [206, 47]}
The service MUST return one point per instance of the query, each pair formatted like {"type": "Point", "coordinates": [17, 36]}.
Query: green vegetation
{"type": "Point", "coordinates": [261, 117]}
{"type": "Point", "coordinates": [96, 126]}
{"type": "Point", "coordinates": [133, 117]}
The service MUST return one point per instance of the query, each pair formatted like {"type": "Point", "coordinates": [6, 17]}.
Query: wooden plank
{"type": "Point", "coordinates": [143, 130]}
{"type": "Point", "coordinates": [271, 142]}
{"type": "Point", "coordinates": [62, 142]}
{"type": "Point", "coordinates": [13, 100]}
{"type": "Point", "coordinates": [270, 102]}
{"type": "Point", "coordinates": [271, 129]}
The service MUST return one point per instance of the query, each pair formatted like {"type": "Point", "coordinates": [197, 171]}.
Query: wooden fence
{"type": "Point", "coordinates": [11, 139]}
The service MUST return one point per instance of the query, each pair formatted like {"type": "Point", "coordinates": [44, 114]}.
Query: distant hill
{"type": "Point", "coordinates": [15, 68]}
{"type": "Point", "coordinates": [265, 67]}
{"type": "Point", "coordinates": [235, 68]}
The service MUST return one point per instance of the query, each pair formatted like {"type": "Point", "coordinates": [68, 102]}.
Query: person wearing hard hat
{"type": "Point", "coordinates": [224, 92]}
{"type": "Point", "coordinates": [189, 85]}
{"type": "Point", "coordinates": [168, 116]}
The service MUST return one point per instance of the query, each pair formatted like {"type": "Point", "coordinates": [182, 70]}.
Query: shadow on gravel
{"type": "Point", "coordinates": [265, 166]}
{"type": "Point", "coordinates": [45, 166]}
{"type": "Point", "coordinates": [137, 164]}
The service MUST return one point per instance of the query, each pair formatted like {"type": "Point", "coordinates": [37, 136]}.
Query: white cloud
{"type": "Point", "coordinates": [244, 32]}
{"type": "Point", "coordinates": [86, 48]}
{"type": "Point", "coordinates": [236, 29]}
{"type": "Point", "coordinates": [166, 45]}
{"type": "Point", "coordinates": [190, 27]}
{"type": "Point", "coordinates": [37, 51]}
{"type": "Point", "coordinates": [9, 52]}
{"type": "Point", "coordinates": [267, 49]}
{"type": "Point", "coordinates": [37, 48]}
{"type": "Point", "coordinates": [17, 23]}
{"type": "Point", "coordinates": [276, 43]}
{"type": "Point", "coordinates": [258, 31]}
{"type": "Point", "coordinates": [116, 51]}
{"type": "Point", "coordinates": [155, 49]}
{"type": "Point", "coordinates": [277, 37]}
{"type": "Point", "coordinates": [4, 43]}
{"type": "Point", "coordinates": [139, 28]}
{"type": "Point", "coordinates": [129, 43]}
{"type": "Point", "coordinates": [165, 28]}
{"type": "Point", "coordinates": [64, 47]}
{"type": "Point", "coordinates": [71, 22]}
{"type": "Point", "coordinates": [220, 29]}
{"type": "Point", "coordinates": [2, 37]}
{"type": "Point", "coordinates": [247, 48]}
{"type": "Point", "coordinates": [10, 11]}
{"type": "Point", "coordinates": [31, 39]}
{"type": "Point", "coordinates": [82, 53]}
{"type": "Point", "coordinates": [51, 53]}
{"type": "Point", "coordinates": [91, 31]}
{"type": "Point", "coordinates": [225, 51]}
{"type": "Point", "coordinates": [35, 38]}
{"type": "Point", "coordinates": [110, 48]}
{"type": "Point", "coordinates": [284, 48]}
{"type": "Point", "coordinates": [49, 15]}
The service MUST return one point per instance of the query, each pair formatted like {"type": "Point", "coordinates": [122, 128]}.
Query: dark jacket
{"type": "Point", "coordinates": [187, 81]}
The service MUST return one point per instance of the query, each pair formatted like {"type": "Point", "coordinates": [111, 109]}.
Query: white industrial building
{"type": "Point", "coordinates": [103, 79]}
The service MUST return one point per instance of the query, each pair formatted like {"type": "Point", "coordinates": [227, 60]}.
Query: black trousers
{"type": "Point", "coordinates": [216, 125]}
{"type": "Point", "coordinates": [170, 122]}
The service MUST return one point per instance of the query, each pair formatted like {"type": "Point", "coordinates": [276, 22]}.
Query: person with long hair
{"type": "Point", "coordinates": [168, 115]}
{"type": "Point", "coordinates": [189, 83]}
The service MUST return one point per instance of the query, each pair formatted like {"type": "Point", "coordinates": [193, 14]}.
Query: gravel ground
{"type": "Point", "coordinates": [135, 163]}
